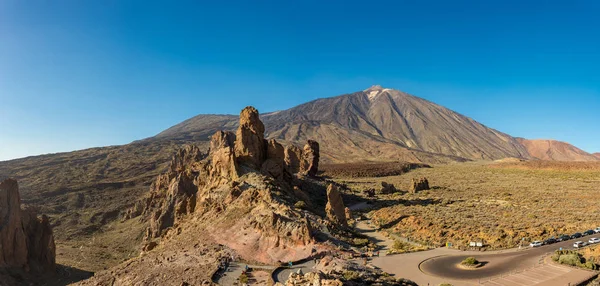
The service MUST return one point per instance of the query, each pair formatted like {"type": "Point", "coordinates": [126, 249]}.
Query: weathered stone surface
{"type": "Point", "coordinates": [223, 161]}
{"type": "Point", "coordinates": [369, 193]}
{"type": "Point", "coordinates": [25, 240]}
{"type": "Point", "coordinates": [388, 188]}
{"type": "Point", "coordinates": [335, 208]}
{"type": "Point", "coordinates": [250, 146]}
{"type": "Point", "coordinates": [348, 213]}
{"type": "Point", "coordinates": [293, 157]}
{"type": "Point", "coordinates": [310, 158]}
{"type": "Point", "coordinates": [420, 184]}
{"type": "Point", "coordinates": [274, 164]}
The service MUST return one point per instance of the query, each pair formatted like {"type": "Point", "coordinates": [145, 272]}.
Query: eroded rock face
{"type": "Point", "coordinates": [172, 195]}
{"type": "Point", "coordinates": [310, 158]}
{"type": "Point", "coordinates": [275, 163]}
{"type": "Point", "coordinates": [420, 184]}
{"type": "Point", "coordinates": [335, 208]}
{"type": "Point", "coordinates": [223, 161]}
{"type": "Point", "coordinates": [25, 240]}
{"type": "Point", "coordinates": [249, 142]}
{"type": "Point", "coordinates": [293, 157]}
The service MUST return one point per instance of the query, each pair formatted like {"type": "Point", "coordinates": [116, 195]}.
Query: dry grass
{"type": "Point", "coordinates": [481, 202]}
{"type": "Point", "coordinates": [358, 170]}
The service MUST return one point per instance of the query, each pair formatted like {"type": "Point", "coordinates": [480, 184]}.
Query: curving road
{"type": "Point", "coordinates": [507, 267]}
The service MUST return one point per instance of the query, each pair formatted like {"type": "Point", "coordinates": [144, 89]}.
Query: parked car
{"type": "Point", "coordinates": [597, 230]}
{"type": "Point", "coordinates": [550, 241]}
{"type": "Point", "coordinates": [536, 244]}
{"type": "Point", "coordinates": [576, 235]}
{"type": "Point", "coordinates": [588, 232]}
{"type": "Point", "coordinates": [594, 240]}
{"type": "Point", "coordinates": [578, 244]}
{"type": "Point", "coordinates": [563, 237]}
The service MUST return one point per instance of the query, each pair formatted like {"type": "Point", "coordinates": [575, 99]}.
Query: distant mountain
{"type": "Point", "coordinates": [553, 150]}
{"type": "Point", "coordinates": [597, 155]}
{"type": "Point", "coordinates": [374, 124]}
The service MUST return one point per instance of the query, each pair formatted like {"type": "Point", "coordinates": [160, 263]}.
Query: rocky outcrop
{"type": "Point", "coordinates": [335, 208]}
{"type": "Point", "coordinates": [172, 195]}
{"type": "Point", "coordinates": [388, 188]}
{"type": "Point", "coordinates": [420, 184]}
{"type": "Point", "coordinates": [26, 241]}
{"type": "Point", "coordinates": [236, 191]}
{"type": "Point", "coordinates": [348, 213]}
{"type": "Point", "coordinates": [310, 158]}
{"type": "Point", "coordinates": [249, 142]}
{"type": "Point", "coordinates": [369, 193]}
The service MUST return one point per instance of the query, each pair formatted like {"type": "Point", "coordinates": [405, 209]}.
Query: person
{"type": "Point", "coordinates": [246, 267]}
{"type": "Point", "coordinates": [290, 264]}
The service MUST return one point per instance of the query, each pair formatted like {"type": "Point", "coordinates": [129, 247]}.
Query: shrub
{"type": "Point", "coordinates": [360, 242]}
{"type": "Point", "coordinates": [350, 275]}
{"type": "Point", "coordinates": [470, 261]}
{"type": "Point", "coordinates": [243, 278]}
{"type": "Point", "coordinates": [445, 284]}
{"type": "Point", "coordinates": [570, 259]}
{"type": "Point", "coordinates": [300, 205]}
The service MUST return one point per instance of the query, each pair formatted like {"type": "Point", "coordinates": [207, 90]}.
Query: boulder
{"type": "Point", "coordinates": [388, 188]}
{"type": "Point", "coordinates": [369, 193]}
{"type": "Point", "coordinates": [335, 208]}
{"type": "Point", "coordinates": [26, 241]}
{"type": "Point", "coordinates": [250, 146]}
{"type": "Point", "coordinates": [419, 185]}
{"type": "Point", "coordinates": [310, 158]}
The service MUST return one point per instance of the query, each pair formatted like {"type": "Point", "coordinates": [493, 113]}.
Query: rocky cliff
{"type": "Point", "coordinates": [26, 241]}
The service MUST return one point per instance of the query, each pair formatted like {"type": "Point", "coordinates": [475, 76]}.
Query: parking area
{"type": "Point", "coordinates": [546, 274]}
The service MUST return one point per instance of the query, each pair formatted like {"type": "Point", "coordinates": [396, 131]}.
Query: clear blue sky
{"type": "Point", "coordinates": [77, 74]}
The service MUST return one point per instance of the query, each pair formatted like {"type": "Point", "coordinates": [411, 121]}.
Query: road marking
{"type": "Point", "coordinates": [517, 282]}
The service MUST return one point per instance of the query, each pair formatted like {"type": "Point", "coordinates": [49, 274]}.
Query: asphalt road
{"type": "Point", "coordinates": [495, 264]}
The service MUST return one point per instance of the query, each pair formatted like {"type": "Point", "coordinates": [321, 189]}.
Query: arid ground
{"type": "Point", "coordinates": [498, 204]}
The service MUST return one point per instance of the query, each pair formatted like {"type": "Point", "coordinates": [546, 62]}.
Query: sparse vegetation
{"type": "Point", "coordinates": [404, 247]}
{"type": "Point", "coordinates": [350, 275]}
{"type": "Point", "coordinates": [360, 170]}
{"type": "Point", "coordinates": [300, 205]}
{"type": "Point", "coordinates": [574, 258]}
{"type": "Point", "coordinates": [491, 203]}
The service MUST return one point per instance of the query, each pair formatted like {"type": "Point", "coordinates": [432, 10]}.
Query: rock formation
{"type": "Point", "coordinates": [419, 185]}
{"type": "Point", "coordinates": [310, 158]}
{"type": "Point", "coordinates": [335, 208]}
{"type": "Point", "coordinates": [388, 188]}
{"type": "Point", "coordinates": [235, 189]}
{"type": "Point", "coordinates": [249, 142]}
{"type": "Point", "coordinates": [293, 157]}
{"type": "Point", "coordinates": [26, 241]}
{"type": "Point", "coordinates": [348, 213]}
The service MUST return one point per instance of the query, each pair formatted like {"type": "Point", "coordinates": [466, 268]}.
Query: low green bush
{"type": "Point", "coordinates": [470, 261]}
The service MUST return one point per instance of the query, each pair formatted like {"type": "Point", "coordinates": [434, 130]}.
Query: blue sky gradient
{"type": "Point", "coordinates": [79, 74]}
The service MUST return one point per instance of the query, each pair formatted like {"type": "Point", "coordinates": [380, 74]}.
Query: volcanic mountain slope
{"type": "Point", "coordinates": [553, 150]}
{"type": "Point", "coordinates": [597, 155]}
{"type": "Point", "coordinates": [376, 124]}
